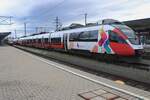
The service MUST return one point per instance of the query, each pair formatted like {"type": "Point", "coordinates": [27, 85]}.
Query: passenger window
{"type": "Point", "coordinates": [56, 40]}
{"type": "Point", "coordinates": [113, 37]}
{"type": "Point", "coordinates": [84, 35]}
{"type": "Point", "coordinates": [73, 36]}
{"type": "Point", "coordinates": [93, 35]}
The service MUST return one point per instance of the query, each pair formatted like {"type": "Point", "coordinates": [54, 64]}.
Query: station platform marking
{"type": "Point", "coordinates": [100, 94]}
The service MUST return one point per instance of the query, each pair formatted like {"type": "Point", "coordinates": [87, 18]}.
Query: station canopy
{"type": "Point", "coordinates": [141, 25]}
{"type": "Point", "coordinates": [3, 35]}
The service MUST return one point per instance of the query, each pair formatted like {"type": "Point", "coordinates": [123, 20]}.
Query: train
{"type": "Point", "coordinates": [109, 37]}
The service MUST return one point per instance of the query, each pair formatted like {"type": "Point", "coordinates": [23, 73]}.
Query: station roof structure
{"type": "Point", "coordinates": [3, 35]}
{"type": "Point", "coordinates": [140, 25]}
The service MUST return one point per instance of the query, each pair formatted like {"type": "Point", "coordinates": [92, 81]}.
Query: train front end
{"type": "Point", "coordinates": [132, 43]}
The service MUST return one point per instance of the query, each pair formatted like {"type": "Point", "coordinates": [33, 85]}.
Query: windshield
{"type": "Point", "coordinates": [128, 32]}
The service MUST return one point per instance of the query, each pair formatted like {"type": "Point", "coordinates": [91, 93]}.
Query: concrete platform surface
{"type": "Point", "coordinates": [23, 77]}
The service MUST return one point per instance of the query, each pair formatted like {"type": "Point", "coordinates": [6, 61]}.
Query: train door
{"type": "Point", "coordinates": [49, 41]}
{"type": "Point", "coordinates": [65, 41]}
{"type": "Point", "coordinates": [42, 42]}
{"type": "Point", "coordinates": [36, 44]}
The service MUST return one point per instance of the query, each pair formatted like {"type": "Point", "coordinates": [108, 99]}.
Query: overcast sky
{"type": "Point", "coordinates": [43, 12]}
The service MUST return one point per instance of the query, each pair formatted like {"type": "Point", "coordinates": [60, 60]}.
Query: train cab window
{"type": "Point", "coordinates": [113, 37]}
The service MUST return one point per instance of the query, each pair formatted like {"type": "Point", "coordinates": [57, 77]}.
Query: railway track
{"type": "Point", "coordinates": [143, 65]}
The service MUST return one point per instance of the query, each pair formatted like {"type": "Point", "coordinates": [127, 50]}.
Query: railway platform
{"type": "Point", "coordinates": [24, 76]}
{"type": "Point", "coordinates": [147, 51]}
{"type": "Point", "coordinates": [147, 48]}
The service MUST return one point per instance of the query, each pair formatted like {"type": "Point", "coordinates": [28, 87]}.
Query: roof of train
{"type": "Point", "coordinates": [35, 36]}
{"type": "Point", "coordinates": [87, 28]}
{"type": "Point", "coordinates": [59, 33]}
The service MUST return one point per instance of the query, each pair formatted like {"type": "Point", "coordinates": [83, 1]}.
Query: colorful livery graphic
{"type": "Point", "coordinates": [103, 42]}
{"type": "Point", "coordinates": [109, 37]}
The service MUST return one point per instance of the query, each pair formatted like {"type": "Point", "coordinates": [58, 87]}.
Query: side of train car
{"type": "Point", "coordinates": [116, 39]}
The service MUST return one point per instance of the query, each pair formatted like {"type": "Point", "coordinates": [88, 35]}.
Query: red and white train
{"type": "Point", "coordinates": [112, 38]}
